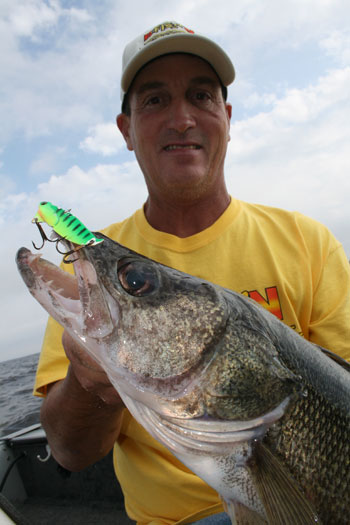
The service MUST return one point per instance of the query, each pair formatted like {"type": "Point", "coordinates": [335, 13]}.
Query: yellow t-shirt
{"type": "Point", "coordinates": [287, 262]}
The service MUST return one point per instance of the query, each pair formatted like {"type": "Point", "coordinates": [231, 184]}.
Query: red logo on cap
{"type": "Point", "coordinates": [164, 28]}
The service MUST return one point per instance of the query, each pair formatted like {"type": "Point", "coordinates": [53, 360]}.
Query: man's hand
{"type": "Point", "coordinates": [82, 414]}
{"type": "Point", "coordinates": [89, 373]}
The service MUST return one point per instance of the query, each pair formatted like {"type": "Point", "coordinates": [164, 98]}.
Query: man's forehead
{"type": "Point", "coordinates": [155, 74]}
{"type": "Point", "coordinates": [143, 87]}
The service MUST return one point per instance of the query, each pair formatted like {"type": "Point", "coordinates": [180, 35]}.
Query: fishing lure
{"type": "Point", "coordinates": [66, 226]}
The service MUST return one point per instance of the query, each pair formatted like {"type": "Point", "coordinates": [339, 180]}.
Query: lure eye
{"type": "Point", "coordinates": [138, 278]}
{"type": "Point", "coordinates": [43, 203]}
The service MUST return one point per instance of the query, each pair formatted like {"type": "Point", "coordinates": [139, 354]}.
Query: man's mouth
{"type": "Point", "coordinates": [172, 147]}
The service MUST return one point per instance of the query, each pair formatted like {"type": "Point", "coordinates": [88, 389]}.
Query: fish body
{"type": "Point", "coordinates": [258, 412]}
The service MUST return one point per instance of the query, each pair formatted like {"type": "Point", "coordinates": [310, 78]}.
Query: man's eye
{"type": "Point", "coordinates": [152, 101]}
{"type": "Point", "coordinates": [202, 96]}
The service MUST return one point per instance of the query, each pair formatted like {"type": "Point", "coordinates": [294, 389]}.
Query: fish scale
{"type": "Point", "coordinates": [313, 441]}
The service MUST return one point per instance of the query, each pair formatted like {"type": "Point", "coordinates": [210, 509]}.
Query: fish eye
{"type": "Point", "coordinates": [137, 278]}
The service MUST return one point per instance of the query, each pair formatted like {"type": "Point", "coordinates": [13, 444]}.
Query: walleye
{"type": "Point", "coordinates": [255, 410]}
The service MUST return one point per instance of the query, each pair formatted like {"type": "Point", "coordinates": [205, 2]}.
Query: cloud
{"type": "Point", "coordinates": [297, 110]}
{"type": "Point", "coordinates": [6, 186]}
{"type": "Point", "coordinates": [47, 161]}
{"type": "Point", "coordinates": [28, 18]}
{"type": "Point", "coordinates": [295, 155]}
{"type": "Point", "coordinates": [58, 69]}
{"type": "Point", "coordinates": [337, 45]}
{"type": "Point", "coordinates": [104, 139]}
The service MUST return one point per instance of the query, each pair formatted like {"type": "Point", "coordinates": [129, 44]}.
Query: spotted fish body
{"type": "Point", "coordinates": [65, 224]}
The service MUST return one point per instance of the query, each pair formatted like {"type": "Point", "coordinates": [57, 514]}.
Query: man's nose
{"type": "Point", "coordinates": [181, 116]}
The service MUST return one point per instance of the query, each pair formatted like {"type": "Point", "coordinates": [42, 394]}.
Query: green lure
{"type": "Point", "coordinates": [66, 226]}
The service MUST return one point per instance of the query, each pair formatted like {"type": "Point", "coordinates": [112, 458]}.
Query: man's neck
{"type": "Point", "coordinates": [185, 219]}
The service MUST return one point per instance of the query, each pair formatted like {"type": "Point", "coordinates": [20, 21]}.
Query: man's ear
{"type": "Point", "coordinates": [229, 111]}
{"type": "Point", "coordinates": [123, 123]}
{"type": "Point", "coordinates": [229, 115]}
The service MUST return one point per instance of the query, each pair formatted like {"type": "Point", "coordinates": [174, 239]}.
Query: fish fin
{"type": "Point", "coordinates": [241, 515]}
{"type": "Point", "coordinates": [335, 358]}
{"type": "Point", "coordinates": [283, 501]}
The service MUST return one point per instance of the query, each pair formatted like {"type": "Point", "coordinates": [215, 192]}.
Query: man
{"type": "Point", "coordinates": [176, 119]}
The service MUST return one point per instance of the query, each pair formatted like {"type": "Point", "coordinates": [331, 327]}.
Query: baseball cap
{"type": "Point", "coordinates": [171, 37]}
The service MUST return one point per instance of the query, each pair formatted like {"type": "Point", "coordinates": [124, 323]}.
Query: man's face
{"type": "Point", "coordinates": [178, 126]}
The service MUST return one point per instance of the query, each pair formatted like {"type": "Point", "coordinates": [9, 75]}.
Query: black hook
{"type": "Point", "coordinates": [42, 233]}
{"type": "Point", "coordinates": [57, 241]}
{"type": "Point", "coordinates": [67, 254]}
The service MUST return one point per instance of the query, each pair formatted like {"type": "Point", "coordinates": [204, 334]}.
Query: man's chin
{"type": "Point", "coordinates": [190, 189]}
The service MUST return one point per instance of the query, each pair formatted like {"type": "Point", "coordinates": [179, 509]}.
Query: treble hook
{"type": "Point", "coordinates": [67, 254]}
{"type": "Point", "coordinates": [42, 233]}
{"type": "Point", "coordinates": [57, 241]}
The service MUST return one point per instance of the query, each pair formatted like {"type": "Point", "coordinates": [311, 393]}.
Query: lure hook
{"type": "Point", "coordinates": [57, 248]}
{"type": "Point", "coordinates": [67, 254]}
{"type": "Point", "coordinates": [57, 241]}
{"type": "Point", "coordinates": [44, 237]}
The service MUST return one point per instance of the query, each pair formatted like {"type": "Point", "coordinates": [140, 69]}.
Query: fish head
{"type": "Point", "coordinates": [149, 326]}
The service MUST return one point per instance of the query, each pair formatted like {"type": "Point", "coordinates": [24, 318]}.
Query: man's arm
{"type": "Point", "coordinates": [81, 414]}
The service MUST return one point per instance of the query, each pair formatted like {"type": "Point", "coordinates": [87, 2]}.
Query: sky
{"type": "Point", "coordinates": [60, 66]}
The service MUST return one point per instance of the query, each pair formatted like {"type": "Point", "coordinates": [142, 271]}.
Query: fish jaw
{"type": "Point", "coordinates": [76, 302]}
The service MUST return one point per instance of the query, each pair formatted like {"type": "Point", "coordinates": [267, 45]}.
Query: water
{"type": "Point", "coordinates": [18, 407]}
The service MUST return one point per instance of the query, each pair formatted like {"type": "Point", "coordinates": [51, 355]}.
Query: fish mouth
{"type": "Point", "coordinates": [77, 301]}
